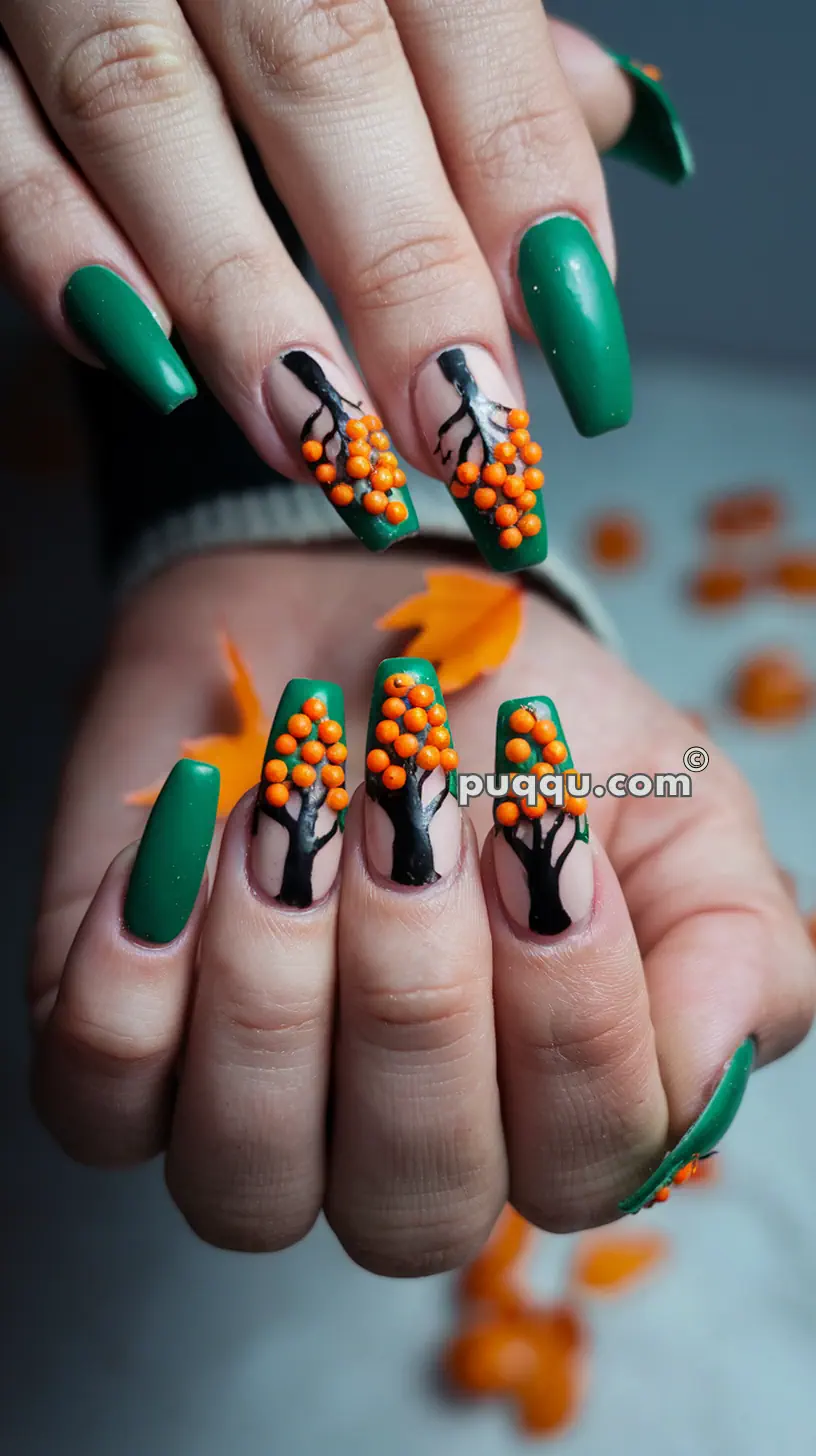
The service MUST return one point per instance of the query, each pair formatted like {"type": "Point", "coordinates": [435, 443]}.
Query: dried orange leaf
{"type": "Point", "coordinates": [467, 624]}
{"type": "Point", "coordinates": [238, 756]}
{"type": "Point", "coordinates": [606, 1265]}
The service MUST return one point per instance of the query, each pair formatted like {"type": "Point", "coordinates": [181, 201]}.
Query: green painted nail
{"type": "Point", "coordinates": [342, 445]}
{"type": "Point", "coordinates": [486, 455]}
{"type": "Point", "coordinates": [704, 1135]}
{"type": "Point", "coordinates": [413, 829]}
{"type": "Point", "coordinates": [654, 139]}
{"type": "Point", "coordinates": [169, 867]}
{"type": "Point", "coordinates": [544, 866]}
{"type": "Point", "coordinates": [110, 317]}
{"type": "Point", "coordinates": [574, 310]}
{"type": "Point", "coordinates": [301, 807]}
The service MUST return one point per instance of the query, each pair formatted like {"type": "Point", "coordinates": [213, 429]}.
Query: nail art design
{"type": "Point", "coordinates": [169, 866]}
{"type": "Point", "coordinates": [117, 325]}
{"type": "Point", "coordinates": [574, 310]}
{"type": "Point", "coordinates": [413, 830]}
{"type": "Point", "coordinates": [301, 806]}
{"type": "Point", "coordinates": [346, 449]}
{"type": "Point", "coordinates": [703, 1136]}
{"type": "Point", "coordinates": [490, 461]}
{"type": "Point", "coordinates": [654, 139]}
{"type": "Point", "coordinates": [543, 861]}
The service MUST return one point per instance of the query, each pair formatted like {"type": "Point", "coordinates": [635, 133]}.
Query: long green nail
{"type": "Point", "coordinates": [704, 1135]}
{"type": "Point", "coordinates": [575, 312]}
{"type": "Point", "coordinates": [654, 139]}
{"type": "Point", "coordinates": [301, 806]}
{"type": "Point", "coordinates": [169, 867]}
{"type": "Point", "coordinates": [110, 317]}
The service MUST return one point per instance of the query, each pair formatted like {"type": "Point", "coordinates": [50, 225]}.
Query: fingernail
{"type": "Point", "coordinates": [301, 806]}
{"type": "Point", "coordinates": [703, 1136]}
{"type": "Point", "coordinates": [344, 446]}
{"type": "Point", "coordinates": [119, 328]}
{"type": "Point", "coordinates": [172, 856]}
{"type": "Point", "coordinates": [412, 821]}
{"type": "Point", "coordinates": [544, 866]}
{"type": "Point", "coordinates": [575, 313]}
{"type": "Point", "coordinates": [486, 454]}
{"type": "Point", "coordinates": [654, 139]}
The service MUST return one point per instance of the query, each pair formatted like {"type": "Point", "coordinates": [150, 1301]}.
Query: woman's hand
{"type": "Point", "coordinates": [438, 158]}
{"type": "Point", "coordinates": [436, 1034]}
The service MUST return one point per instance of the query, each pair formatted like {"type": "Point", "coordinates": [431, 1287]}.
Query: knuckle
{"type": "Point", "coordinates": [417, 1251]}
{"type": "Point", "coordinates": [110, 1054]}
{"type": "Point", "coordinates": [241, 273]}
{"type": "Point", "coordinates": [298, 50]}
{"type": "Point", "coordinates": [423, 1019]}
{"type": "Point", "coordinates": [123, 65]}
{"type": "Point", "coordinates": [518, 142]}
{"type": "Point", "coordinates": [414, 269]}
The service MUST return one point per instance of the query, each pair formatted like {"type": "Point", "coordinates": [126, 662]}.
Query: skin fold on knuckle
{"type": "Point", "coordinates": [123, 66]}
{"type": "Point", "coordinates": [410, 270]}
{"type": "Point", "coordinates": [302, 48]}
{"type": "Point", "coordinates": [525, 145]}
{"type": "Point", "coordinates": [418, 1244]}
{"type": "Point", "coordinates": [418, 1021]}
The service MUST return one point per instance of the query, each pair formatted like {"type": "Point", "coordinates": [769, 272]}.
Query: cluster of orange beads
{"type": "Point", "coordinates": [689, 1170]}
{"type": "Point", "coordinates": [412, 726]}
{"type": "Point", "coordinates": [553, 753]}
{"type": "Point", "coordinates": [371, 466]}
{"type": "Point", "coordinates": [321, 750]}
{"type": "Point", "coordinates": [506, 485]}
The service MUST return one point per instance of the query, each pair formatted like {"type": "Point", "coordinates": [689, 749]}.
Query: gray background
{"type": "Point", "coordinates": [125, 1337]}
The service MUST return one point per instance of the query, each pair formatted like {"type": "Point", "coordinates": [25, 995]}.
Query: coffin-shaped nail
{"type": "Point", "coordinates": [301, 806]}
{"type": "Point", "coordinates": [574, 310]}
{"type": "Point", "coordinates": [119, 328]}
{"type": "Point", "coordinates": [343, 444]}
{"type": "Point", "coordinates": [703, 1136]}
{"type": "Point", "coordinates": [544, 866]}
{"type": "Point", "coordinates": [412, 819]}
{"type": "Point", "coordinates": [172, 856]}
{"type": "Point", "coordinates": [655, 138]}
{"type": "Point", "coordinates": [485, 454]}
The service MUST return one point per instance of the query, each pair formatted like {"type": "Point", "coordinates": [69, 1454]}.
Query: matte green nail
{"type": "Point", "coordinates": [654, 139]}
{"type": "Point", "coordinates": [574, 310]}
{"type": "Point", "coordinates": [110, 317]}
{"type": "Point", "coordinates": [169, 867]}
{"type": "Point", "coordinates": [704, 1135]}
{"type": "Point", "coordinates": [302, 793]}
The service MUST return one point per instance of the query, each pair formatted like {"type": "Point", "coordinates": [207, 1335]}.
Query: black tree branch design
{"type": "Point", "coordinates": [547, 913]}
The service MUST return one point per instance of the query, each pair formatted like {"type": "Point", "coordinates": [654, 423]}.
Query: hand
{"type": "Point", "coordinates": [437, 158]}
{"type": "Point", "coordinates": [471, 1058]}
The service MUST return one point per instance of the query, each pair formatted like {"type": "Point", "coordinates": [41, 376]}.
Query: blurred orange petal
{"type": "Point", "coordinates": [607, 1264]}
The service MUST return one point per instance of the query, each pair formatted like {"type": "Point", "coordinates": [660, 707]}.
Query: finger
{"type": "Point", "coordinates": [524, 168]}
{"type": "Point", "coordinates": [625, 105]}
{"type": "Point", "coordinates": [246, 1158]}
{"type": "Point", "coordinates": [137, 105]}
{"type": "Point", "coordinates": [417, 1172]}
{"type": "Point", "coordinates": [51, 229]}
{"type": "Point", "coordinates": [730, 969]}
{"type": "Point", "coordinates": [581, 1092]}
{"type": "Point", "coordinates": [106, 1056]}
{"type": "Point", "coordinates": [388, 235]}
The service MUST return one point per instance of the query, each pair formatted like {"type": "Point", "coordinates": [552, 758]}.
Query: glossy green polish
{"type": "Point", "coordinates": [709, 1129]}
{"type": "Point", "coordinates": [169, 867]}
{"type": "Point", "coordinates": [655, 138]}
{"type": "Point", "coordinates": [574, 310]}
{"type": "Point", "coordinates": [118, 327]}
